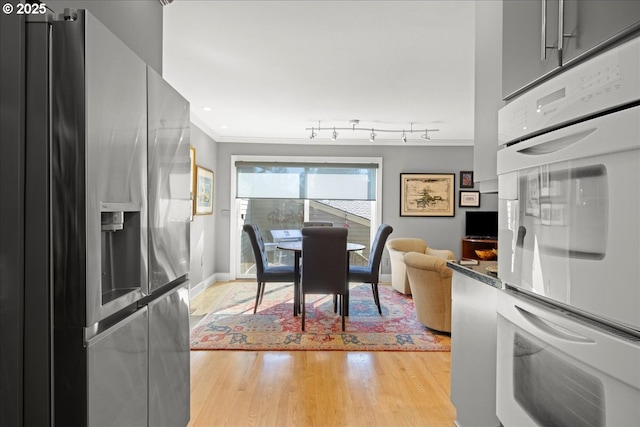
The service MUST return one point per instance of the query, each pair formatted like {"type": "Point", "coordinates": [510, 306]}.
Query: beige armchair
{"type": "Point", "coordinates": [398, 248]}
{"type": "Point", "coordinates": [430, 281]}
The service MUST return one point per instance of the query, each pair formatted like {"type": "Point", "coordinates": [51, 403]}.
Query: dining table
{"type": "Point", "coordinates": [296, 248]}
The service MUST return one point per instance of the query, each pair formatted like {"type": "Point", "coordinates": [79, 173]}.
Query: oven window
{"type": "Point", "coordinates": [551, 390]}
{"type": "Point", "coordinates": [565, 210]}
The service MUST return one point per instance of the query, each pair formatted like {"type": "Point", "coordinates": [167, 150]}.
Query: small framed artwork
{"type": "Point", "coordinates": [192, 180]}
{"type": "Point", "coordinates": [466, 179]}
{"type": "Point", "coordinates": [204, 191]}
{"type": "Point", "coordinates": [427, 194]}
{"type": "Point", "coordinates": [469, 199]}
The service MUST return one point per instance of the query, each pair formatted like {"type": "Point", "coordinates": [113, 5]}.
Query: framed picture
{"type": "Point", "coordinates": [427, 194]}
{"type": "Point", "coordinates": [466, 179]}
{"type": "Point", "coordinates": [192, 180]}
{"type": "Point", "coordinates": [469, 199]}
{"type": "Point", "coordinates": [204, 191]}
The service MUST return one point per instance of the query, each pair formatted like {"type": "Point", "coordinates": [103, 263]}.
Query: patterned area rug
{"type": "Point", "coordinates": [233, 326]}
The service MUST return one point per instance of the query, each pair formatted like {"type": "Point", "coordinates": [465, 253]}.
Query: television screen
{"type": "Point", "coordinates": [482, 224]}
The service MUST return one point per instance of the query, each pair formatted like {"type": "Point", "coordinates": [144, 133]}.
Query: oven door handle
{"type": "Point", "coordinates": [553, 328]}
{"type": "Point", "coordinates": [557, 144]}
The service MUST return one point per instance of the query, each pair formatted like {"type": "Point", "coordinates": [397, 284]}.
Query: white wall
{"type": "Point", "coordinates": [203, 227]}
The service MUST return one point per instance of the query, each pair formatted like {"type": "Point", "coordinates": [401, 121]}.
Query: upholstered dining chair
{"type": "Point", "coordinates": [324, 264]}
{"type": "Point", "coordinates": [370, 273]}
{"type": "Point", "coordinates": [317, 224]}
{"type": "Point", "coordinates": [265, 272]}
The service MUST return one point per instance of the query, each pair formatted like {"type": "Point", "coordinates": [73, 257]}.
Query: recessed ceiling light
{"type": "Point", "coordinates": [206, 108]}
{"type": "Point", "coordinates": [223, 126]}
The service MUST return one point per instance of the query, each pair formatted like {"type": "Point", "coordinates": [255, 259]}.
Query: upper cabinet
{"type": "Point", "coordinates": [533, 49]}
{"type": "Point", "coordinates": [487, 93]}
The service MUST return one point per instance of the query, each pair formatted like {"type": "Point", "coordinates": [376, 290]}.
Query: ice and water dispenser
{"type": "Point", "coordinates": [120, 249]}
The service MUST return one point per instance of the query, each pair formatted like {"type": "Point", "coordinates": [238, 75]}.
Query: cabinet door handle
{"type": "Point", "coordinates": [560, 26]}
{"type": "Point", "coordinates": [543, 32]}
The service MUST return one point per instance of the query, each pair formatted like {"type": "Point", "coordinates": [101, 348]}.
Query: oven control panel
{"type": "Point", "coordinates": [604, 82]}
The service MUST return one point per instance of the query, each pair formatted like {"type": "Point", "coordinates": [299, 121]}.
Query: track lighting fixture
{"type": "Point", "coordinates": [373, 132]}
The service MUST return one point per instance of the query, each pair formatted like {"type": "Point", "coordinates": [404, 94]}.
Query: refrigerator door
{"type": "Point", "coordinates": [169, 170]}
{"type": "Point", "coordinates": [169, 358]}
{"type": "Point", "coordinates": [98, 172]}
{"type": "Point", "coordinates": [117, 375]}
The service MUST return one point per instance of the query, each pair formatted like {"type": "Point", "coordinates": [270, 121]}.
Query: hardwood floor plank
{"type": "Point", "coordinates": [316, 388]}
{"type": "Point", "coordinates": [237, 388]}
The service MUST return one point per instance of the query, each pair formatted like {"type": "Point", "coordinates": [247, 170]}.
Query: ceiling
{"type": "Point", "coordinates": [268, 70]}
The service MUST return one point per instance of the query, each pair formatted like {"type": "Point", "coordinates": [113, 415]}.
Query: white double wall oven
{"type": "Point", "coordinates": [569, 238]}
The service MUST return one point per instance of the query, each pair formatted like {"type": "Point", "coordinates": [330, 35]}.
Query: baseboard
{"type": "Point", "coordinates": [195, 290]}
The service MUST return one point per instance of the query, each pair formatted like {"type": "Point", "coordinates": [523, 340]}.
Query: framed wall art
{"type": "Point", "coordinates": [204, 191]}
{"type": "Point", "coordinates": [427, 194]}
{"type": "Point", "coordinates": [192, 180]}
{"type": "Point", "coordinates": [469, 199]}
{"type": "Point", "coordinates": [466, 179]}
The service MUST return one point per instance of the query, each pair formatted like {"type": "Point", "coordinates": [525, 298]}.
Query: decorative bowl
{"type": "Point", "coordinates": [486, 254]}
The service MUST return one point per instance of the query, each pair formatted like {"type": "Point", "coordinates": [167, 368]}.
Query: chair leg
{"type": "Point", "coordinates": [376, 296]}
{"type": "Point", "coordinates": [264, 285]}
{"type": "Point", "coordinates": [335, 303]}
{"type": "Point", "coordinates": [342, 310]}
{"type": "Point", "coordinates": [258, 296]}
{"type": "Point", "coordinates": [303, 312]}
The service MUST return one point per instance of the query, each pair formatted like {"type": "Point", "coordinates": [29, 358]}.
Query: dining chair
{"type": "Point", "coordinates": [324, 264]}
{"type": "Point", "coordinates": [370, 273]}
{"type": "Point", "coordinates": [265, 272]}
{"type": "Point", "coordinates": [317, 224]}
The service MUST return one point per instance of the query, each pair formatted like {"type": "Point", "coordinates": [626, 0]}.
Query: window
{"type": "Point", "coordinates": [279, 194]}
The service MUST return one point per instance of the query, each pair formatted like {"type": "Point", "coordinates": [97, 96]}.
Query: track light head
{"type": "Point", "coordinates": [426, 135]}
{"type": "Point", "coordinates": [404, 137]}
{"type": "Point", "coordinates": [373, 136]}
{"type": "Point", "coordinates": [313, 134]}
{"type": "Point", "coordinates": [334, 135]}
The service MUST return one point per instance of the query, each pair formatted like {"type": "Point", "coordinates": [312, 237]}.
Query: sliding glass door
{"type": "Point", "coordinates": [280, 196]}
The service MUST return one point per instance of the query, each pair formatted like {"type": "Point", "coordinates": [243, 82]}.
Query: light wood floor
{"type": "Point", "coordinates": [316, 388]}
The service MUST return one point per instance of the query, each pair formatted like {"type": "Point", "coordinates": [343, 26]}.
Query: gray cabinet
{"type": "Point", "coordinates": [488, 94]}
{"type": "Point", "coordinates": [523, 58]}
{"type": "Point", "coordinates": [532, 48]}
{"type": "Point", "coordinates": [473, 351]}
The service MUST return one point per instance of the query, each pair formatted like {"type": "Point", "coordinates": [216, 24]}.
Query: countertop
{"type": "Point", "coordinates": [478, 272]}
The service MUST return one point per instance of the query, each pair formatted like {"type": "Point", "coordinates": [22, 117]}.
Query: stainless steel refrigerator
{"type": "Point", "coordinates": [104, 179]}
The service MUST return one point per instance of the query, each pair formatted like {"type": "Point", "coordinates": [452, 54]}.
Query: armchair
{"type": "Point", "coordinates": [430, 281]}
{"type": "Point", "coordinates": [398, 248]}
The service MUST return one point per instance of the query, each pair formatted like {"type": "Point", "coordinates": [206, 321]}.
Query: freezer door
{"type": "Point", "coordinates": [169, 182]}
{"type": "Point", "coordinates": [98, 172]}
{"type": "Point", "coordinates": [169, 370]}
{"type": "Point", "coordinates": [117, 374]}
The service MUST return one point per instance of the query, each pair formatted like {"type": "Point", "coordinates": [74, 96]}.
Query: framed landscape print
{"type": "Point", "coordinates": [427, 194]}
{"type": "Point", "coordinates": [204, 191]}
{"type": "Point", "coordinates": [469, 199]}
